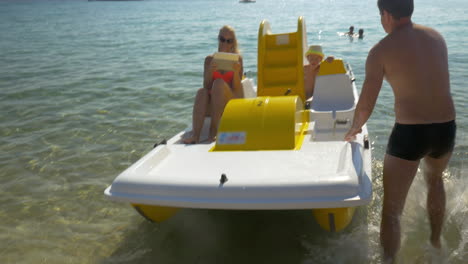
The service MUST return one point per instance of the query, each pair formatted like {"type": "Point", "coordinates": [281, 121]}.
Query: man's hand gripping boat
{"type": "Point", "coordinates": [272, 151]}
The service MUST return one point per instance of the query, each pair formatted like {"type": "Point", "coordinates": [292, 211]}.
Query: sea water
{"type": "Point", "coordinates": [87, 88]}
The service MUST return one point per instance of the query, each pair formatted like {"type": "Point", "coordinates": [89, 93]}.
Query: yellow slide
{"type": "Point", "coordinates": [281, 60]}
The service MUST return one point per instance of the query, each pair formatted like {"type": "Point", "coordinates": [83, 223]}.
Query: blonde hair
{"type": "Point", "coordinates": [235, 47]}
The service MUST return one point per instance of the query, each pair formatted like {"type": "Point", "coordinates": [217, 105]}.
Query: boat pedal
{"type": "Point", "coordinates": [163, 142]}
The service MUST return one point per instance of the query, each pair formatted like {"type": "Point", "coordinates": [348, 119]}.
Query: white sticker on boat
{"type": "Point", "coordinates": [231, 138]}
{"type": "Point", "coordinates": [282, 39]}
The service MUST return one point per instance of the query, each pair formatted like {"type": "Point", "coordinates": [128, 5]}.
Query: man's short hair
{"type": "Point", "coordinates": [396, 8]}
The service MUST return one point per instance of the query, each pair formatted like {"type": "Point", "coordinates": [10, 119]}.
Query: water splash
{"type": "Point", "coordinates": [415, 246]}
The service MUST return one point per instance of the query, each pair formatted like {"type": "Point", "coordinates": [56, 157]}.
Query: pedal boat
{"type": "Point", "coordinates": [272, 151]}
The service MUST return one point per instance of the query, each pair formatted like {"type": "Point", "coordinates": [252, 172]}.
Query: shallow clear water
{"type": "Point", "coordinates": [86, 88]}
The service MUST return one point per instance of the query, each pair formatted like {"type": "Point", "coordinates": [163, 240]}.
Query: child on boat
{"type": "Point", "coordinates": [218, 88]}
{"type": "Point", "coordinates": [314, 56]}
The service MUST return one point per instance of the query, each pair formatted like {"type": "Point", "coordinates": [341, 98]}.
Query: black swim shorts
{"type": "Point", "coordinates": [413, 142]}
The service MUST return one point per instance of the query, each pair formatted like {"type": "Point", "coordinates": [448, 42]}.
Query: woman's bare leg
{"type": "Point", "coordinates": [220, 95]}
{"type": "Point", "coordinates": [200, 109]}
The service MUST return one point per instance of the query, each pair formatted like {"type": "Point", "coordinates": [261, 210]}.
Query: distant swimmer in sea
{"type": "Point", "coordinates": [413, 59]}
{"type": "Point", "coordinates": [361, 33]}
{"type": "Point", "coordinates": [350, 32]}
{"type": "Point", "coordinates": [315, 57]}
{"type": "Point", "coordinates": [218, 88]}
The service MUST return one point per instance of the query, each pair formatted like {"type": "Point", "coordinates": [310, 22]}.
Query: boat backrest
{"type": "Point", "coordinates": [333, 92]}
{"type": "Point", "coordinates": [334, 101]}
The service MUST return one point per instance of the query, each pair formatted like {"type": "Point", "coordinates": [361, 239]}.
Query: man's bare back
{"type": "Point", "coordinates": [414, 60]}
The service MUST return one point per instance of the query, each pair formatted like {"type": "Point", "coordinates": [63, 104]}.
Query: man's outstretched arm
{"type": "Point", "coordinates": [369, 93]}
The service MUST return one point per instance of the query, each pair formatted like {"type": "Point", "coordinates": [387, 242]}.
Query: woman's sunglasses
{"type": "Point", "coordinates": [222, 39]}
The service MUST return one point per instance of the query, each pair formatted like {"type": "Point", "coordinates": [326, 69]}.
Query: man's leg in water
{"type": "Point", "coordinates": [398, 174]}
{"type": "Point", "coordinates": [433, 169]}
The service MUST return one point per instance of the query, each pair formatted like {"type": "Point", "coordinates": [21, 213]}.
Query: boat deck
{"type": "Point", "coordinates": [319, 175]}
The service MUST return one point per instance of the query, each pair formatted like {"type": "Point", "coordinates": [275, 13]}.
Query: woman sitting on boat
{"type": "Point", "coordinates": [218, 88]}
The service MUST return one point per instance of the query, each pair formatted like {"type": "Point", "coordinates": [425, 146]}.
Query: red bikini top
{"type": "Point", "coordinates": [227, 76]}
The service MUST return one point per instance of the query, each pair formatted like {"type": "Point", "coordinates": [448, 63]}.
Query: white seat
{"type": "Point", "coordinates": [332, 107]}
{"type": "Point", "coordinates": [333, 93]}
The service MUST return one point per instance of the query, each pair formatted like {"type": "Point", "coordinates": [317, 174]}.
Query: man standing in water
{"type": "Point", "coordinates": [413, 59]}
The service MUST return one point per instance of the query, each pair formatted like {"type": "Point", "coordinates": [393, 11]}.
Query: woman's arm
{"type": "Point", "coordinates": [208, 70]}
{"type": "Point", "coordinates": [237, 79]}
